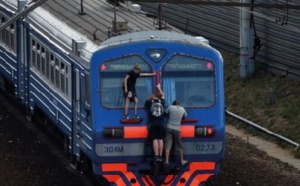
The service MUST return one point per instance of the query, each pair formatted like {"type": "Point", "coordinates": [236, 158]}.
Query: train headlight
{"type": "Point", "coordinates": [117, 132]}
{"type": "Point", "coordinates": [202, 131]}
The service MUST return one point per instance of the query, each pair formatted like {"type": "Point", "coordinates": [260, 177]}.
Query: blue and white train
{"type": "Point", "coordinates": [76, 86]}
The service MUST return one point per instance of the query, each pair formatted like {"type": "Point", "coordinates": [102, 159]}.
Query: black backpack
{"type": "Point", "coordinates": [157, 108]}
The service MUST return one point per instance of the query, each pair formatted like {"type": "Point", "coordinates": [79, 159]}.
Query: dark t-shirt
{"type": "Point", "coordinates": [156, 128]}
{"type": "Point", "coordinates": [132, 80]}
{"type": "Point", "coordinates": [152, 119]}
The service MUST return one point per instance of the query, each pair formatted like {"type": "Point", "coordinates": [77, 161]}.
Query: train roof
{"type": "Point", "coordinates": [65, 21]}
{"type": "Point", "coordinates": [98, 18]}
{"type": "Point", "coordinates": [157, 35]}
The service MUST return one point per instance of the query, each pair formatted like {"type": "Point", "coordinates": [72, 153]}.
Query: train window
{"type": "Point", "coordinates": [189, 79]}
{"type": "Point", "coordinates": [62, 77]}
{"type": "Point", "coordinates": [3, 31]}
{"type": "Point", "coordinates": [112, 74]}
{"type": "Point", "coordinates": [12, 38]}
{"type": "Point", "coordinates": [33, 54]}
{"type": "Point", "coordinates": [67, 85]}
{"type": "Point", "coordinates": [57, 72]}
{"type": "Point", "coordinates": [67, 80]}
{"type": "Point", "coordinates": [52, 68]}
{"type": "Point", "coordinates": [38, 57]}
{"type": "Point", "coordinates": [62, 80]}
{"type": "Point", "coordinates": [7, 36]}
{"type": "Point", "coordinates": [47, 64]}
{"type": "Point", "coordinates": [87, 89]}
{"type": "Point", "coordinates": [43, 61]}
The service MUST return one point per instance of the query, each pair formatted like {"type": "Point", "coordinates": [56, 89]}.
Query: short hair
{"type": "Point", "coordinates": [176, 102]}
{"type": "Point", "coordinates": [137, 66]}
{"type": "Point", "coordinates": [158, 94]}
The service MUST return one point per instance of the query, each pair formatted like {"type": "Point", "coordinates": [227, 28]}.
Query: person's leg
{"type": "Point", "coordinates": [160, 147]}
{"type": "Point", "coordinates": [178, 146]}
{"type": "Point", "coordinates": [136, 101]}
{"type": "Point", "coordinates": [183, 161]}
{"type": "Point", "coordinates": [181, 155]}
{"type": "Point", "coordinates": [155, 147]}
{"type": "Point", "coordinates": [167, 154]}
{"type": "Point", "coordinates": [168, 145]}
{"type": "Point", "coordinates": [161, 135]}
{"type": "Point", "coordinates": [126, 107]}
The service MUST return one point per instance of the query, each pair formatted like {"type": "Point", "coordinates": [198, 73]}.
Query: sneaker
{"type": "Point", "coordinates": [159, 159]}
{"type": "Point", "coordinates": [184, 162]}
{"type": "Point", "coordinates": [156, 158]}
{"type": "Point", "coordinates": [126, 117]}
{"type": "Point", "coordinates": [136, 117]}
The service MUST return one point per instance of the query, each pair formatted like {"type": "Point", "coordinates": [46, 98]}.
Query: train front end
{"type": "Point", "coordinates": [189, 70]}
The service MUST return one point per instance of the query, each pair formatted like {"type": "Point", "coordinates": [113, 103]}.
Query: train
{"type": "Point", "coordinates": [75, 85]}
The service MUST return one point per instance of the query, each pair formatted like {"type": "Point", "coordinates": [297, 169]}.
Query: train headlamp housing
{"type": "Point", "coordinates": [204, 131]}
{"type": "Point", "coordinates": [156, 54]}
{"type": "Point", "coordinates": [113, 132]}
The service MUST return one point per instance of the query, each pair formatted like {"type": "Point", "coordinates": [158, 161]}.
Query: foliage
{"type": "Point", "coordinates": [266, 99]}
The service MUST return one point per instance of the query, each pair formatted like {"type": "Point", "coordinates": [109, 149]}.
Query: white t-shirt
{"type": "Point", "coordinates": [176, 113]}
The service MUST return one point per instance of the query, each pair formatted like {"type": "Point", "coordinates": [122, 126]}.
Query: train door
{"type": "Point", "coordinates": [21, 37]}
{"type": "Point", "coordinates": [22, 62]}
{"type": "Point", "coordinates": [76, 115]}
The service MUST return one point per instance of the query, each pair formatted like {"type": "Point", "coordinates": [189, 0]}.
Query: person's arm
{"type": "Point", "coordinates": [158, 86]}
{"type": "Point", "coordinates": [125, 83]}
{"type": "Point", "coordinates": [148, 74]}
{"type": "Point", "coordinates": [184, 114]}
{"type": "Point", "coordinates": [167, 110]}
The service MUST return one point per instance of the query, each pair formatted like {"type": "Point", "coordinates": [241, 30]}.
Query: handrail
{"type": "Point", "coordinates": [262, 129]}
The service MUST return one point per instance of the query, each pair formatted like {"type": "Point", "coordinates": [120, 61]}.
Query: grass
{"type": "Point", "coordinates": [266, 99]}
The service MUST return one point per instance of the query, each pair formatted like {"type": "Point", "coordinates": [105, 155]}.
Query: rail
{"type": "Point", "coordinates": [262, 129]}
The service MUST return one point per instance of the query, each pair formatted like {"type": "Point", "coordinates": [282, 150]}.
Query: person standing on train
{"type": "Point", "coordinates": [129, 89]}
{"type": "Point", "coordinates": [156, 131]}
{"type": "Point", "coordinates": [176, 114]}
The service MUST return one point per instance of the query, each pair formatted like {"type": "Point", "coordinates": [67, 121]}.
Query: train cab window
{"type": "Point", "coordinates": [112, 75]}
{"type": "Point", "coordinates": [189, 79]}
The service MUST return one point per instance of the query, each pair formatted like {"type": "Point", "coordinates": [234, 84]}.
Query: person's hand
{"type": "Point", "coordinates": [126, 91]}
{"type": "Point", "coordinates": [158, 85]}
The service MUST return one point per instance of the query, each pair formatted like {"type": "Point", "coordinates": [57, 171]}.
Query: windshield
{"type": "Point", "coordinates": [190, 80]}
{"type": "Point", "coordinates": [112, 74]}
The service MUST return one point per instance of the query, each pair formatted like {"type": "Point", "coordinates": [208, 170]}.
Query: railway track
{"type": "Point", "coordinates": [54, 146]}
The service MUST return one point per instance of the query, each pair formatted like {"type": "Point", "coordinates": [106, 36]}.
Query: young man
{"type": "Point", "coordinates": [155, 105]}
{"type": "Point", "coordinates": [176, 113]}
{"type": "Point", "coordinates": [129, 89]}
